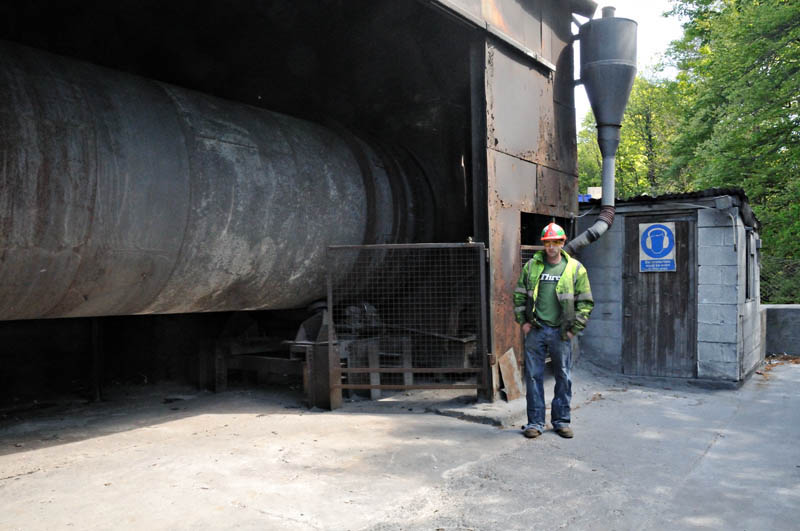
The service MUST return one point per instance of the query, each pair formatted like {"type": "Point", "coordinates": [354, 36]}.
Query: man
{"type": "Point", "coordinates": [552, 302]}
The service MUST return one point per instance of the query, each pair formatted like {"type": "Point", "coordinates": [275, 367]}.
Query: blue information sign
{"type": "Point", "coordinates": [656, 247]}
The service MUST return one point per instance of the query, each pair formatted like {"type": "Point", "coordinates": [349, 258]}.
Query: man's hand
{"type": "Point", "coordinates": [526, 327]}
{"type": "Point", "coordinates": [570, 335]}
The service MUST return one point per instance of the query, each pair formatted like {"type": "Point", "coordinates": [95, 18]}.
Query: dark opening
{"type": "Point", "coordinates": [395, 72]}
{"type": "Point", "coordinates": [531, 226]}
{"type": "Point", "coordinates": [750, 265]}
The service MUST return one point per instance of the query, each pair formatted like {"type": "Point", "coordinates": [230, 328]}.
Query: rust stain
{"type": "Point", "coordinates": [493, 15]}
{"type": "Point", "coordinates": [595, 397]}
{"type": "Point", "coordinates": [500, 201]}
{"type": "Point", "coordinates": [775, 361]}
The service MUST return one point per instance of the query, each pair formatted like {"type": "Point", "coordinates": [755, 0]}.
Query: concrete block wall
{"type": "Point", "coordinates": [752, 338]}
{"type": "Point", "coordinates": [751, 347]}
{"type": "Point", "coordinates": [730, 333]}
{"type": "Point", "coordinates": [718, 288]}
{"type": "Point", "coordinates": [601, 342]}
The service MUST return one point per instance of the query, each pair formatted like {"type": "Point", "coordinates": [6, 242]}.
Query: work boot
{"type": "Point", "coordinates": [531, 433]}
{"type": "Point", "coordinates": [565, 432]}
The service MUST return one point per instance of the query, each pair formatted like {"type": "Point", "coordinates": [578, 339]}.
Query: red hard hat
{"type": "Point", "coordinates": [553, 232]}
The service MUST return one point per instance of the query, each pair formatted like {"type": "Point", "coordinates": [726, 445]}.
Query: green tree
{"type": "Point", "coordinates": [739, 64]}
{"type": "Point", "coordinates": [648, 128]}
{"type": "Point", "coordinates": [589, 160]}
{"type": "Point", "coordinates": [651, 122]}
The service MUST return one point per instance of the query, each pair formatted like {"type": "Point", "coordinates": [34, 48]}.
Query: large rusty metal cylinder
{"type": "Point", "coordinates": [121, 195]}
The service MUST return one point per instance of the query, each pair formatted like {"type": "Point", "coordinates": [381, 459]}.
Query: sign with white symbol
{"type": "Point", "coordinates": [656, 247]}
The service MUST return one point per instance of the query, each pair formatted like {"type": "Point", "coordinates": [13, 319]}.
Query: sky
{"type": "Point", "coordinates": [654, 35]}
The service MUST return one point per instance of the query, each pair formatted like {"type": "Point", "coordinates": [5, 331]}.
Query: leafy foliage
{"type": "Point", "coordinates": [740, 63]}
{"type": "Point", "coordinates": [780, 280]}
{"type": "Point", "coordinates": [730, 118]}
{"type": "Point", "coordinates": [643, 158]}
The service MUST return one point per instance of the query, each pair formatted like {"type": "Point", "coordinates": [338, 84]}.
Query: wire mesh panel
{"type": "Point", "coordinates": [409, 316]}
{"type": "Point", "coordinates": [526, 252]}
{"type": "Point", "coordinates": [780, 280]}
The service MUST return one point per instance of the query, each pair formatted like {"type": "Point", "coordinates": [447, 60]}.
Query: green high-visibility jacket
{"type": "Point", "coordinates": [573, 292]}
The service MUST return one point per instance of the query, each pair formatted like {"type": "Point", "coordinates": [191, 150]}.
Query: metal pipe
{"type": "Point", "coordinates": [122, 195]}
{"type": "Point", "coordinates": [608, 67]}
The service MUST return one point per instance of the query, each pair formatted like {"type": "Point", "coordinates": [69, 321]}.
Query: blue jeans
{"type": "Point", "coordinates": [538, 343]}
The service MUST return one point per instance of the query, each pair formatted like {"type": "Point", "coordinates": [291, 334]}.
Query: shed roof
{"type": "Point", "coordinates": [709, 192]}
{"type": "Point", "coordinates": [739, 194]}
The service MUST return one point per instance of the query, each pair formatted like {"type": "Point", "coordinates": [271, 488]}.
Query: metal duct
{"type": "Point", "coordinates": [121, 195]}
{"type": "Point", "coordinates": [608, 68]}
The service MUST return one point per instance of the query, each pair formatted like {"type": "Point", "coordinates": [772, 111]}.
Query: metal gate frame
{"type": "Point", "coordinates": [336, 372]}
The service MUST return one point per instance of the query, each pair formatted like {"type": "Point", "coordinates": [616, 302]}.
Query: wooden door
{"type": "Point", "coordinates": [660, 308]}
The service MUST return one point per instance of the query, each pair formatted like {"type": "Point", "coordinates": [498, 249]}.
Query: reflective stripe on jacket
{"type": "Point", "coordinates": [573, 292]}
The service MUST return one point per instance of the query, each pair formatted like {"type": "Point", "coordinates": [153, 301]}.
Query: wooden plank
{"type": "Point", "coordinates": [324, 371]}
{"type": "Point", "coordinates": [660, 309]}
{"type": "Point", "coordinates": [374, 362]}
{"type": "Point", "coordinates": [408, 378]}
{"type": "Point", "coordinates": [510, 375]}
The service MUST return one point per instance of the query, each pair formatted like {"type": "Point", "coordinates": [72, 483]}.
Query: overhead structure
{"type": "Point", "coordinates": [122, 195]}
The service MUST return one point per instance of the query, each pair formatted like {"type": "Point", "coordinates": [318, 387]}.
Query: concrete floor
{"type": "Point", "coordinates": [648, 454]}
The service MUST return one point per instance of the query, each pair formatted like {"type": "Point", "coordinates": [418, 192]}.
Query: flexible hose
{"type": "Point", "coordinates": [608, 139]}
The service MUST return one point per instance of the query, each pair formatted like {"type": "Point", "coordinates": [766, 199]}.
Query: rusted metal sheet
{"type": "Point", "coordinates": [472, 10]}
{"type": "Point", "coordinates": [522, 21]}
{"type": "Point", "coordinates": [524, 119]}
{"type": "Point", "coordinates": [504, 240]}
{"type": "Point", "coordinates": [531, 159]}
{"type": "Point", "coordinates": [504, 271]}
{"type": "Point", "coordinates": [517, 24]}
{"type": "Point", "coordinates": [556, 193]}
{"type": "Point", "coordinates": [563, 142]}
{"type": "Point", "coordinates": [557, 37]}
{"type": "Point", "coordinates": [514, 191]}
{"type": "Point", "coordinates": [526, 26]}
{"type": "Point", "coordinates": [515, 182]}
{"type": "Point", "coordinates": [122, 195]}
{"type": "Point", "coordinates": [517, 97]}
{"type": "Point", "coordinates": [562, 136]}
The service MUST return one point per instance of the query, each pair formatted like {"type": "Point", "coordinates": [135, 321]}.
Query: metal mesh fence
{"type": "Point", "coordinates": [780, 280]}
{"type": "Point", "coordinates": [413, 311]}
{"type": "Point", "coordinates": [526, 252]}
